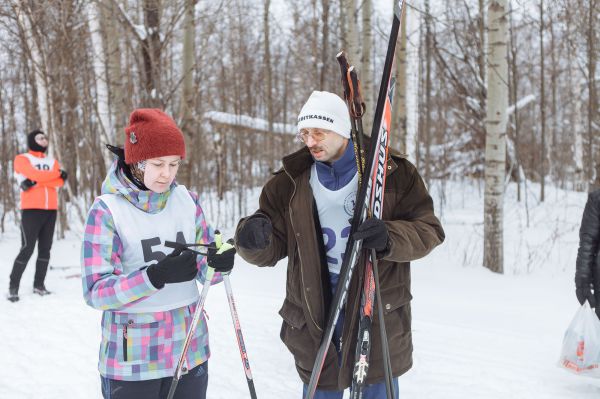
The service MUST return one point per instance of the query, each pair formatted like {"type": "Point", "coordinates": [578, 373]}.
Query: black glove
{"type": "Point", "coordinates": [221, 259]}
{"type": "Point", "coordinates": [374, 234]}
{"type": "Point", "coordinates": [584, 290]}
{"type": "Point", "coordinates": [27, 184]}
{"type": "Point", "coordinates": [175, 268]}
{"type": "Point", "coordinates": [255, 233]}
{"type": "Point", "coordinates": [64, 174]}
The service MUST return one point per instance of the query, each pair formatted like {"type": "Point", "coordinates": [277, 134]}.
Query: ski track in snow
{"type": "Point", "coordinates": [476, 334]}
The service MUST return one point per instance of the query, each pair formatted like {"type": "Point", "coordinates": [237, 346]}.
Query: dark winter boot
{"type": "Point", "coordinates": [41, 291]}
{"type": "Point", "coordinates": [13, 294]}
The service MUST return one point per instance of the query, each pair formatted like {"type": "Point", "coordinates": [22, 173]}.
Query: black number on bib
{"type": "Point", "coordinates": [150, 255]}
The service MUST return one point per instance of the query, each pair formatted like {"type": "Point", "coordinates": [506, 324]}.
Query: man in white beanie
{"type": "Point", "coordinates": [304, 214]}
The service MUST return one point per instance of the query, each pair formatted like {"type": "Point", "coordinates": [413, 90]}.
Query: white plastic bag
{"type": "Point", "coordinates": [581, 345]}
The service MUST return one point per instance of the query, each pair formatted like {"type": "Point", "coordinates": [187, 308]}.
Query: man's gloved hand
{"type": "Point", "coordinates": [27, 184]}
{"type": "Point", "coordinates": [221, 259]}
{"type": "Point", "coordinates": [173, 269]}
{"type": "Point", "coordinates": [63, 174]}
{"type": "Point", "coordinates": [374, 234]}
{"type": "Point", "coordinates": [255, 233]}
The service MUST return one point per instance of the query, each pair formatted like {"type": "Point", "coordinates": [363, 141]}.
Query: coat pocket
{"type": "Point", "coordinates": [396, 309]}
{"type": "Point", "coordinates": [138, 339]}
{"type": "Point", "coordinates": [295, 335]}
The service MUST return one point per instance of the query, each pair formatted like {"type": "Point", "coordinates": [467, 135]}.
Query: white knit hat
{"type": "Point", "coordinates": [325, 110]}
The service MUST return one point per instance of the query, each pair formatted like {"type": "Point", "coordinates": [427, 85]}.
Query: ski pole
{"type": "Point", "coordinates": [387, 363]}
{"type": "Point", "coordinates": [239, 336]}
{"type": "Point", "coordinates": [181, 369]}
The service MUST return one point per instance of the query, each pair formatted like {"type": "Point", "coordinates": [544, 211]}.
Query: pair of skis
{"type": "Point", "coordinates": [369, 201]}
{"type": "Point", "coordinates": [181, 367]}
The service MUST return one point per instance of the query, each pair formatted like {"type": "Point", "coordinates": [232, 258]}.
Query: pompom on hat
{"type": "Point", "coordinates": [325, 110]}
{"type": "Point", "coordinates": [151, 134]}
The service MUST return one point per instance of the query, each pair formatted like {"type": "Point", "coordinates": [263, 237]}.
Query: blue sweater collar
{"type": "Point", "coordinates": [339, 173]}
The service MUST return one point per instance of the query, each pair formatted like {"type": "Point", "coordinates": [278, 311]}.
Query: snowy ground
{"type": "Point", "coordinates": [476, 334]}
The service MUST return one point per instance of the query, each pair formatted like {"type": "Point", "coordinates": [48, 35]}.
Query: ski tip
{"type": "Point", "coordinates": [398, 8]}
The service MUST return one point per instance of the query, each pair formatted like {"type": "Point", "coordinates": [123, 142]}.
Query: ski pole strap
{"type": "Point", "coordinates": [357, 105]}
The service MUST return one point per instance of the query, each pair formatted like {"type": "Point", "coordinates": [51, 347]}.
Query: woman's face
{"type": "Point", "coordinates": [160, 172]}
{"type": "Point", "coordinates": [41, 139]}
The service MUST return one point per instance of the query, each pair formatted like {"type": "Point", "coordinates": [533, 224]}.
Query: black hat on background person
{"type": "Point", "coordinates": [33, 145]}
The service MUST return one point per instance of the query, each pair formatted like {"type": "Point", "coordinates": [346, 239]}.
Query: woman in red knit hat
{"type": "Point", "coordinates": [148, 294]}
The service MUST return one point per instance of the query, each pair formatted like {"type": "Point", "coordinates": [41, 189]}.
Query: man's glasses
{"type": "Point", "coordinates": [316, 135]}
{"type": "Point", "coordinates": [45, 138]}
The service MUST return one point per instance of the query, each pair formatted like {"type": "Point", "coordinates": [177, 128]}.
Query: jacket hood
{"type": "Point", "coordinates": [146, 200]}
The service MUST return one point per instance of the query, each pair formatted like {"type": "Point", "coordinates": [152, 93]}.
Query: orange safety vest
{"type": "Point", "coordinates": [43, 170]}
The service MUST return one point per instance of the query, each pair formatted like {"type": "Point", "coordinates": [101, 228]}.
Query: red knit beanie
{"type": "Point", "coordinates": [151, 134]}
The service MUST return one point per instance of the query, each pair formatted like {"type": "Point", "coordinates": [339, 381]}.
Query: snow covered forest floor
{"type": "Point", "coordinates": [476, 334]}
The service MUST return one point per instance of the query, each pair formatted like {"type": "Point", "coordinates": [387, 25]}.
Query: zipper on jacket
{"type": "Point", "coordinates": [299, 257]}
{"type": "Point", "coordinates": [125, 343]}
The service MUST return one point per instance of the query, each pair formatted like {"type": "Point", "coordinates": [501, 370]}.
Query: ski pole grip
{"type": "Point", "coordinates": [225, 246]}
{"type": "Point", "coordinates": [218, 239]}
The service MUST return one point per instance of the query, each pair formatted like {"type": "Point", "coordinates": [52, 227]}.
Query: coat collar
{"type": "Point", "coordinates": [297, 162]}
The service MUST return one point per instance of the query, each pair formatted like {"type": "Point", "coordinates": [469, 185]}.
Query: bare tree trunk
{"type": "Point", "coordinates": [542, 107]}
{"type": "Point", "coordinates": [592, 92]}
{"type": "Point", "coordinates": [515, 96]}
{"type": "Point", "coordinates": [99, 64]}
{"type": "Point", "coordinates": [553, 153]}
{"type": "Point", "coordinates": [119, 108]}
{"type": "Point", "coordinates": [575, 118]}
{"type": "Point", "coordinates": [495, 148]}
{"type": "Point", "coordinates": [188, 95]}
{"type": "Point", "coordinates": [151, 54]}
{"type": "Point", "coordinates": [366, 72]}
{"type": "Point", "coordinates": [39, 69]}
{"type": "Point", "coordinates": [399, 117]}
{"type": "Point", "coordinates": [353, 48]}
{"type": "Point", "coordinates": [269, 93]}
{"type": "Point", "coordinates": [325, 55]}
{"type": "Point", "coordinates": [427, 121]}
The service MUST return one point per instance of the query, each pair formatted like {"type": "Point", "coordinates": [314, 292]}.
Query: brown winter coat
{"type": "Point", "coordinates": [414, 231]}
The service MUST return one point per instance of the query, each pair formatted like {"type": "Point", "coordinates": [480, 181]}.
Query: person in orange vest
{"type": "Point", "coordinates": [39, 177]}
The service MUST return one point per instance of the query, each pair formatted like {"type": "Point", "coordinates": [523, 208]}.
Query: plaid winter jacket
{"type": "Point", "coordinates": [136, 346]}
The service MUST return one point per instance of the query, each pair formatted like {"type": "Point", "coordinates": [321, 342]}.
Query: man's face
{"type": "Point", "coordinates": [41, 139]}
{"type": "Point", "coordinates": [160, 172]}
{"type": "Point", "coordinates": [324, 145]}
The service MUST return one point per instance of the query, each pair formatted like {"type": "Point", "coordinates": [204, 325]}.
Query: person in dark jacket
{"type": "Point", "coordinates": [587, 273]}
{"type": "Point", "coordinates": [304, 214]}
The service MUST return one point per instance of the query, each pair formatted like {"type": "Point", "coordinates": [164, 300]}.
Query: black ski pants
{"type": "Point", "coordinates": [37, 225]}
{"type": "Point", "coordinates": [191, 386]}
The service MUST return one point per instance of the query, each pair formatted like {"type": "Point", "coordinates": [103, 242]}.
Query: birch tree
{"type": "Point", "coordinates": [366, 72]}
{"type": "Point", "coordinates": [351, 32]}
{"type": "Point", "coordinates": [399, 116]}
{"type": "Point", "coordinates": [495, 147]}
{"type": "Point", "coordinates": [99, 64]}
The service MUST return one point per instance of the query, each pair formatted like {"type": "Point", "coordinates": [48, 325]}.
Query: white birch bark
{"type": "Point", "coordinates": [366, 72]}
{"type": "Point", "coordinates": [354, 52]}
{"type": "Point", "coordinates": [99, 64]}
{"type": "Point", "coordinates": [495, 147]}
{"type": "Point", "coordinates": [39, 69]}
{"type": "Point", "coordinates": [399, 123]}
